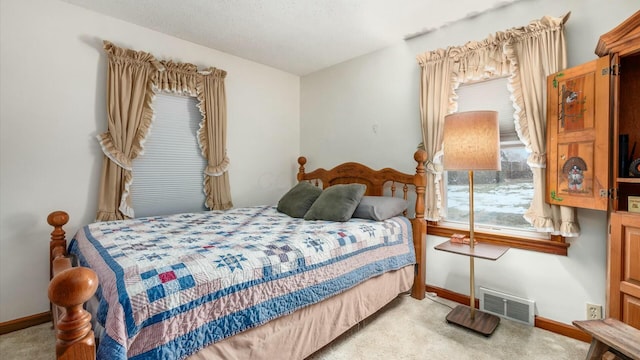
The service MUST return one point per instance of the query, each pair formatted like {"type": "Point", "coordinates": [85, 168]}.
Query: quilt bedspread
{"type": "Point", "coordinates": [172, 285]}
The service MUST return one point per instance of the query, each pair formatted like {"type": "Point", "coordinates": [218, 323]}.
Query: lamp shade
{"type": "Point", "coordinates": [472, 141]}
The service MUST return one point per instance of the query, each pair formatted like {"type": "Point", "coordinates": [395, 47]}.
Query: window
{"type": "Point", "coordinates": [500, 197]}
{"type": "Point", "coordinates": [168, 177]}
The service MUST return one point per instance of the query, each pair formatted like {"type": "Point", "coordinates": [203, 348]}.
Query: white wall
{"type": "Point", "coordinates": [367, 110]}
{"type": "Point", "coordinates": [52, 104]}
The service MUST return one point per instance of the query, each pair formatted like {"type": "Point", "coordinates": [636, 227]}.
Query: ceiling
{"type": "Point", "coordinates": [296, 36]}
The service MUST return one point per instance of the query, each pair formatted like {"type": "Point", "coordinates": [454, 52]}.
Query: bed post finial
{"type": "Point", "coordinates": [58, 219]}
{"type": "Point", "coordinates": [302, 161]}
{"type": "Point", "coordinates": [58, 243]}
{"type": "Point", "coordinates": [70, 289]}
{"type": "Point", "coordinates": [420, 157]}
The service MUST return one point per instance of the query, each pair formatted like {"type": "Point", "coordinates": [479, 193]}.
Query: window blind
{"type": "Point", "coordinates": [168, 177]}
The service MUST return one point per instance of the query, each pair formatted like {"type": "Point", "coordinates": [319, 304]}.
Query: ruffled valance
{"type": "Point", "coordinates": [118, 54]}
{"type": "Point", "coordinates": [473, 61]}
{"type": "Point", "coordinates": [490, 57]}
{"type": "Point", "coordinates": [178, 78]}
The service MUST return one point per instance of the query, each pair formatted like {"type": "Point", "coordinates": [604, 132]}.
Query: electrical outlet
{"type": "Point", "coordinates": [594, 312]}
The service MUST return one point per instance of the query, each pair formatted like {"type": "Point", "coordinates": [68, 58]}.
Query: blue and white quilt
{"type": "Point", "coordinates": [172, 285]}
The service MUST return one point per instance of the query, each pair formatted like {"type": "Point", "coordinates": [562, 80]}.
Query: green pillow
{"type": "Point", "coordinates": [299, 199]}
{"type": "Point", "coordinates": [336, 203]}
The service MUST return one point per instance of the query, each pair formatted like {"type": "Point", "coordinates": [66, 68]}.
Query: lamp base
{"type": "Point", "coordinates": [483, 323]}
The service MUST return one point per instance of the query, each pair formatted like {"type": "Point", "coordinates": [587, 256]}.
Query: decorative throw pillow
{"type": "Point", "coordinates": [297, 201]}
{"type": "Point", "coordinates": [336, 203]}
{"type": "Point", "coordinates": [380, 207]}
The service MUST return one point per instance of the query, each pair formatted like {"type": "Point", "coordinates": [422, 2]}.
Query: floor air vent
{"type": "Point", "coordinates": [507, 306]}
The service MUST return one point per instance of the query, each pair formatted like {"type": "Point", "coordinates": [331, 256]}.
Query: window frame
{"type": "Point", "coordinates": [521, 239]}
{"type": "Point", "coordinates": [554, 245]}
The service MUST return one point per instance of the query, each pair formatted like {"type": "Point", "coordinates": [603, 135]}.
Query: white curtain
{"type": "Point", "coordinates": [436, 85]}
{"type": "Point", "coordinates": [527, 55]}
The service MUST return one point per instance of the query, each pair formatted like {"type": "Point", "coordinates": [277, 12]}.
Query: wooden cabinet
{"type": "Point", "coordinates": [593, 127]}
{"type": "Point", "coordinates": [578, 139]}
{"type": "Point", "coordinates": [622, 47]}
{"type": "Point", "coordinates": [623, 288]}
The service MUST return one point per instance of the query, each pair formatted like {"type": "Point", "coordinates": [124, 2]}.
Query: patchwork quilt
{"type": "Point", "coordinates": [172, 285]}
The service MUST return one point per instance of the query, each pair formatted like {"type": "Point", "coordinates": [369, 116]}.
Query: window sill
{"type": "Point", "coordinates": [556, 245]}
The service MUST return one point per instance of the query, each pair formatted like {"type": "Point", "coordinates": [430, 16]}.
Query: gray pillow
{"type": "Point", "coordinates": [380, 207]}
{"type": "Point", "coordinates": [297, 201]}
{"type": "Point", "coordinates": [336, 203]}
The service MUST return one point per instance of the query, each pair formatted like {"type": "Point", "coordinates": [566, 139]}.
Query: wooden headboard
{"type": "Point", "coordinates": [376, 180]}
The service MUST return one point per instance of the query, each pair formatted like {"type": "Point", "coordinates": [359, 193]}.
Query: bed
{"type": "Point", "coordinates": [250, 283]}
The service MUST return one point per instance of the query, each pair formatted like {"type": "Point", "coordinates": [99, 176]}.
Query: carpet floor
{"type": "Point", "coordinates": [404, 329]}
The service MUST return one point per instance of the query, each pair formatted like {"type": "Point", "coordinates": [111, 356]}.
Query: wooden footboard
{"type": "Point", "coordinates": [69, 289]}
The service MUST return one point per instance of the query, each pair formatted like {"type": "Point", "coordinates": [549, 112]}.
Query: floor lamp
{"type": "Point", "coordinates": [471, 142]}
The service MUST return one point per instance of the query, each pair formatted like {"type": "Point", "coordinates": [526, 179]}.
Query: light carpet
{"type": "Point", "coordinates": [404, 329]}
